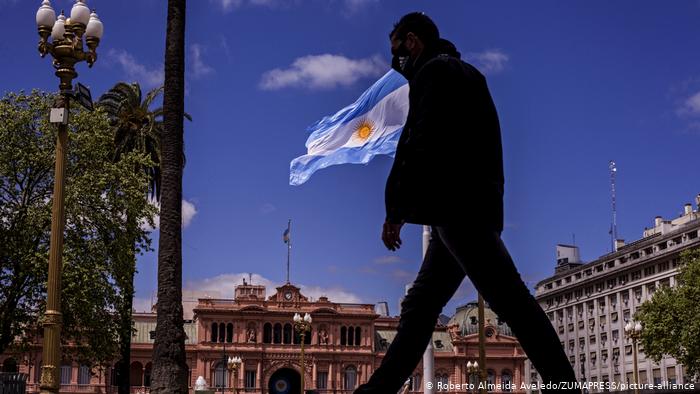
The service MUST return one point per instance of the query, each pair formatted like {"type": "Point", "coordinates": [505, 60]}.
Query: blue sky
{"type": "Point", "coordinates": [576, 84]}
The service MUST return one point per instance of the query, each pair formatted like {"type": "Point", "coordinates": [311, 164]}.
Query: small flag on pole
{"type": "Point", "coordinates": [285, 236]}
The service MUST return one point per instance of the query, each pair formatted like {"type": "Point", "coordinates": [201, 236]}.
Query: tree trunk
{"type": "Point", "coordinates": [169, 362]}
{"type": "Point", "coordinates": [124, 364]}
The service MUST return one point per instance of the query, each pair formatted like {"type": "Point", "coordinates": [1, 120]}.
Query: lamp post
{"type": "Point", "coordinates": [472, 370]}
{"type": "Point", "coordinates": [232, 364]}
{"type": "Point", "coordinates": [633, 329]}
{"type": "Point", "coordinates": [66, 48]}
{"type": "Point", "coordinates": [301, 326]}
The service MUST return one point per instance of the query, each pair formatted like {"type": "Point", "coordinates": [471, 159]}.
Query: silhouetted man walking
{"type": "Point", "coordinates": [448, 173]}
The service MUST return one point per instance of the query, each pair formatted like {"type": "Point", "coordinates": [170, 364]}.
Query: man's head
{"type": "Point", "coordinates": [411, 35]}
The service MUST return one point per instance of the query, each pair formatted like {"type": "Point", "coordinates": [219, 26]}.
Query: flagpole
{"type": "Point", "coordinates": [289, 245]}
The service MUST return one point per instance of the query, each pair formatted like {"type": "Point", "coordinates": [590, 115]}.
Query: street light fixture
{"type": "Point", "coordinates": [66, 48]}
{"type": "Point", "coordinates": [633, 329]}
{"type": "Point", "coordinates": [472, 370]}
{"type": "Point", "coordinates": [232, 364]}
{"type": "Point", "coordinates": [301, 326]}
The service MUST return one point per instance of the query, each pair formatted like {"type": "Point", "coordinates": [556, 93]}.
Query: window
{"type": "Point", "coordinates": [490, 377]}
{"type": "Point", "coordinates": [214, 332]}
{"type": "Point", "coordinates": [343, 336]}
{"type": "Point", "coordinates": [591, 340]}
{"type": "Point", "coordinates": [229, 333]}
{"type": "Point", "coordinates": [277, 334]}
{"type": "Point", "coordinates": [66, 371]}
{"type": "Point", "coordinates": [611, 283]}
{"type": "Point", "coordinates": [222, 332]}
{"type": "Point", "coordinates": [287, 334]}
{"type": "Point", "coordinates": [220, 375]}
{"type": "Point", "coordinates": [599, 268]}
{"type": "Point", "coordinates": [250, 379]}
{"type": "Point", "coordinates": [506, 380]}
{"type": "Point", "coordinates": [613, 317]}
{"type": "Point", "coordinates": [648, 271]}
{"type": "Point", "coordinates": [571, 327]}
{"type": "Point", "coordinates": [267, 333]}
{"type": "Point", "coordinates": [664, 266]}
{"type": "Point", "coordinates": [580, 325]}
{"type": "Point", "coordinates": [84, 375]}
{"type": "Point", "coordinates": [636, 275]}
{"type": "Point", "coordinates": [671, 375]}
{"type": "Point", "coordinates": [322, 379]}
{"type": "Point", "coordinates": [615, 335]}
{"type": "Point", "coordinates": [662, 246]}
{"type": "Point", "coordinates": [656, 375]}
{"type": "Point", "coordinates": [351, 336]}
{"type": "Point", "coordinates": [622, 279]}
{"type": "Point", "coordinates": [350, 378]}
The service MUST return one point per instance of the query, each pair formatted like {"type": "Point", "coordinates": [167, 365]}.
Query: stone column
{"type": "Point", "coordinates": [259, 375]}
{"type": "Point", "coordinates": [331, 383]}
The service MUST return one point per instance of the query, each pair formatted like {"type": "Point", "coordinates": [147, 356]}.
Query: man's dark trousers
{"type": "Point", "coordinates": [453, 252]}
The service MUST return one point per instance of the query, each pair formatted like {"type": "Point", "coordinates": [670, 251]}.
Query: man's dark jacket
{"type": "Point", "coordinates": [448, 167]}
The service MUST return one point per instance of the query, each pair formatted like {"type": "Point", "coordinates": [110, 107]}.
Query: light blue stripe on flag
{"type": "Point", "coordinates": [355, 134]}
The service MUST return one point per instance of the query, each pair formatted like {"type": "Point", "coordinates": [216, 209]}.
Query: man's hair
{"type": "Point", "coordinates": [419, 24]}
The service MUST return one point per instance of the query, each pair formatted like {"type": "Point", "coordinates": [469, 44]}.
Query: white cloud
{"type": "Point", "coordinates": [354, 6]}
{"type": "Point", "coordinates": [199, 68]}
{"type": "Point", "coordinates": [403, 275]}
{"type": "Point", "coordinates": [691, 106]}
{"type": "Point", "coordinates": [141, 304]}
{"type": "Point", "coordinates": [386, 260]}
{"type": "Point", "coordinates": [491, 61]}
{"type": "Point", "coordinates": [267, 208]}
{"type": "Point", "coordinates": [135, 70]}
{"type": "Point", "coordinates": [323, 72]}
{"type": "Point", "coordinates": [189, 210]}
{"type": "Point", "coordinates": [223, 286]}
{"type": "Point", "coordinates": [228, 5]}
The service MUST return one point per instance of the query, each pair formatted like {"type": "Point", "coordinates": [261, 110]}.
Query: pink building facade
{"type": "Point", "coordinates": [346, 343]}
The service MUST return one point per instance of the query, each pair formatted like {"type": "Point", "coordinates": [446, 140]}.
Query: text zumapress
{"type": "Point", "coordinates": [614, 386]}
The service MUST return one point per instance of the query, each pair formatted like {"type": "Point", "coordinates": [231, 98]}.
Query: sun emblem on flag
{"type": "Point", "coordinates": [364, 129]}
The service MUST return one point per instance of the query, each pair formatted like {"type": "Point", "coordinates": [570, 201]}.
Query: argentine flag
{"type": "Point", "coordinates": [370, 126]}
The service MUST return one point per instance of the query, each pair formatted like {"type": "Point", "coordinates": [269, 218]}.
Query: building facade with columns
{"type": "Point", "coordinates": [347, 342]}
{"type": "Point", "coordinates": [589, 303]}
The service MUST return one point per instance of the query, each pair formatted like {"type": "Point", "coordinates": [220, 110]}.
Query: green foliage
{"type": "Point", "coordinates": [99, 247]}
{"type": "Point", "coordinates": [671, 319]}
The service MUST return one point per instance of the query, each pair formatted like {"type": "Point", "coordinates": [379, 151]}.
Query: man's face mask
{"type": "Point", "coordinates": [400, 57]}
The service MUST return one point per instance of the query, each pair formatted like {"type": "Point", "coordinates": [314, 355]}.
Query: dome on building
{"type": "Point", "coordinates": [467, 317]}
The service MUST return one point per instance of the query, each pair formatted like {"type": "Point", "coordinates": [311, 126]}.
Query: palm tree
{"type": "Point", "coordinates": [137, 128]}
{"type": "Point", "coordinates": [170, 373]}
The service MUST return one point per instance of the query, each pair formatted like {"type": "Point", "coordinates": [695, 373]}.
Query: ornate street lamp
{"type": "Point", "coordinates": [633, 329]}
{"type": "Point", "coordinates": [66, 48]}
{"type": "Point", "coordinates": [301, 326]}
{"type": "Point", "coordinates": [232, 364]}
{"type": "Point", "coordinates": [472, 370]}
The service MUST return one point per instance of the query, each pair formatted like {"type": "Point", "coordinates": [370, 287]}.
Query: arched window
{"type": "Point", "coordinates": [506, 380]}
{"type": "Point", "coordinates": [351, 336]}
{"type": "Point", "coordinates": [267, 333]}
{"type": "Point", "coordinates": [358, 333]}
{"type": "Point", "coordinates": [443, 379]}
{"type": "Point", "coordinates": [343, 336]}
{"type": "Point", "coordinates": [287, 333]}
{"type": "Point", "coordinates": [490, 379]}
{"type": "Point", "coordinates": [229, 333]}
{"type": "Point", "coordinates": [222, 332]}
{"type": "Point", "coordinates": [307, 338]}
{"type": "Point", "coordinates": [147, 375]}
{"type": "Point", "coordinates": [297, 338]}
{"type": "Point", "coordinates": [278, 333]}
{"type": "Point", "coordinates": [84, 375]}
{"type": "Point", "coordinates": [350, 378]}
{"type": "Point", "coordinates": [136, 374]}
{"type": "Point", "coordinates": [214, 332]}
{"type": "Point", "coordinates": [415, 383]}
{"type": "Point", "coordinates": [220, 375]}
{"type": "Point", "coordinates": [66, 372]}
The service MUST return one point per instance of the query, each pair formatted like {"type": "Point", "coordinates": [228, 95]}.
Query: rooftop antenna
{"type": "Point", "coordinates": [613, 226]}
{"type": "Point", "coordinates": [250, 278]}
